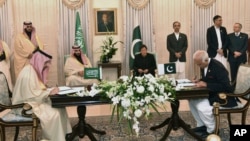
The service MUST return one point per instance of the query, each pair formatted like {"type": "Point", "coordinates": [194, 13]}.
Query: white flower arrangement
{"type": "Point", "coordinates": [133, 97]}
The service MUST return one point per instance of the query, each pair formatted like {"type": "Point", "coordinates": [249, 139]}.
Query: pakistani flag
{"type": "Point", "coordinates": [170, 68]}
{"type": "Point", "coordinates": [79, 34]}
{"type": "Point", "coordinates": [136, 44]}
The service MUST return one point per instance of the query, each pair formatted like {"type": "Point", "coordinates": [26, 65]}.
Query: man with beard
{"type": "Point", "coordinates": [144, 62]}
{"type": "Point", "coordinates": [74, 68]}
{"type": "Point", "coordinates": [30, 88]}
{"type": "Point", "coordinates": [25, 44]}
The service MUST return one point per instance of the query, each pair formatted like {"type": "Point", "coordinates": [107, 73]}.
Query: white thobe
{"type": "Point", "coordinates": [71, 69]}
{"type": "Point", "coordinates": [29, 89]}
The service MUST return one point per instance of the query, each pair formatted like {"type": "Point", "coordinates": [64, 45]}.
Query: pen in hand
{"type": "Point", "coordinates": [195, 79]}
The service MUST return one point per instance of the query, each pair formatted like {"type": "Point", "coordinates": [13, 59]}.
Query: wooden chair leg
{"type": "Point", "coordinates": [16, 134]}
{"type": "Point", "coordinates": [217, 117]}
{"type": "Point", "coordinates": [2, 130]}
{"type": "Point", "coordinates": [229, 118]}
{"type": "Point", "coordinates": [34, 127]}
{"type": "Point", "coordinates": [243, 117]}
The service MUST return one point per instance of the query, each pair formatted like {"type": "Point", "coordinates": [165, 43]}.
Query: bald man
{"type": "Point", "coordinates": [214, 76]}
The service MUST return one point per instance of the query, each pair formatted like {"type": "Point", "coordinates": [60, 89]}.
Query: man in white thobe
{"type": "Point", "coordinates": [25, 44]}
{"type": "Point", "coordinates": [74, 68]}
{"type": "Point", "coordinates": [30, 88]}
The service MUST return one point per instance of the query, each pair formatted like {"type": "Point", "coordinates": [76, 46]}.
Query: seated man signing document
{"type": "Point", "coordinates": [74, 68]}
{"type": "Point", "coordinates": [214, 76]}
{"type": "Point", "coordinates": [144, 62]}
{"type": "Point", "coordinates": [30, 88]}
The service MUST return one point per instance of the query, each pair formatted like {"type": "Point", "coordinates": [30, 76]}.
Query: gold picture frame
{"type": "Point", "coordinates": [105, 21]}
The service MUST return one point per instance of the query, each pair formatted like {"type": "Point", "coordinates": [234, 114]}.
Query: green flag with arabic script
{"type": "Point", "coordinates": [79, 40]}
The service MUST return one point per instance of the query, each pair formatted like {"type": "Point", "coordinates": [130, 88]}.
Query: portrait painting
{"type": "Point", "coordinates": [105, 21]}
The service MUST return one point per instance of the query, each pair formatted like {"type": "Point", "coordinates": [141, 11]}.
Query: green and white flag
{"type": "Point", "coordinates": [136, 44]}
{"type": "Point", "coordinates": [79, 34]}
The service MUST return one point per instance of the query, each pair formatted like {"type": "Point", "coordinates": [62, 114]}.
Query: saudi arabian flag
{"type": "Point", "coordinates": [136, 44]}
{"type": "Point", "coordinates": [79, 34]}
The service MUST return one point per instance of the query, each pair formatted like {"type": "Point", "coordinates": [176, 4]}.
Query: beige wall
{"type": "Point", "coordinates": [165, 13]}
{"type": "Point", "coordinates": [194, 20]}
{"type": "Point", "coordinates": [108, 74]}
{"type": "Point", "coordinates": [44, 15]}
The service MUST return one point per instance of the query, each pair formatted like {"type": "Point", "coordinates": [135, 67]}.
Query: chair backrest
{"type": "Point", "coordinates": [243, 80]}
{"type": "Point", "coordinates": [4, 91]}
{"type": "Point", "coordinates": [66, 57]}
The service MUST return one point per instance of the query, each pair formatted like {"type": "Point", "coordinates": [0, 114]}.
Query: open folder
{"type": "Point", "coordinates": [69, 90]}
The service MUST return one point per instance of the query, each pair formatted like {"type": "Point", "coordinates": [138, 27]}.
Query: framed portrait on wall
{"type": "Point", "coordinates": [106, 21]}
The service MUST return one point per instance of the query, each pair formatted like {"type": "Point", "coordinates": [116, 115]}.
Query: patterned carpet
{"type": "Point", "coordinates": [119, 132]}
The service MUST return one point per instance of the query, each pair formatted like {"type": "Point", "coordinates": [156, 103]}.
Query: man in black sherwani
{"type": "Point", "coordinates": [144, 62]}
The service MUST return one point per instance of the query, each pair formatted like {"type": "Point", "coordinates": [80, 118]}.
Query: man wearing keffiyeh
{"type": "Point", "coordinates": [31, 88]}
{"type": "Point", "coordinates": [74, 68]}
{"type": "Point", "coordinates": [25, 44]}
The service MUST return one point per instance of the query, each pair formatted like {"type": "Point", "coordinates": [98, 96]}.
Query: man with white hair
{"type": "Point", "coordinates": [214, 76]}
{"type": "Point", "coordinates": [25, 44]}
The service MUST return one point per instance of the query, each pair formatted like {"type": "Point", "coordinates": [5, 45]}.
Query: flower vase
{"type": "Point", "coordinates": [105, 59]}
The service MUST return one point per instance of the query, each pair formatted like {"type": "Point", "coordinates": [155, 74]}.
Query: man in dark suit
{"type": "Point", "coordinates": [214, 76]}
{"type": "Point", "coordinates": [144, 62]}
{"type": "Point", "coordinates": [177, 46]}
{"type": "Point", "coordinates": [237, 50]}
{"type": "Point", "coordinates": [217, 41]}
{"type": "Point", "coordinates": [105, 25]}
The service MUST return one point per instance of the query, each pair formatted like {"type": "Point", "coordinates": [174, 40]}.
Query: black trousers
{"type": "Point", "coordinates": [234, 66]}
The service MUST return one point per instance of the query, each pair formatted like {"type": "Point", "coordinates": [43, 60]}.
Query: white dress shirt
{"type": "Point", "coordinates": [205, 69]}
{"type": "Point", "coordinates": [177, 35]}
{"type": "Point", "coordinates": [217, 29]}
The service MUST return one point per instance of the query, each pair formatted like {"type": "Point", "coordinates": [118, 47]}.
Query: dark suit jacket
{"type": "Point", "coordinates": [109, 27]}
{"type": "Point", "coordinates": [237, 44]}
{"type": "Point", "coordinates": [217, 81]}
{"type": "Point", "coordinates": [212, 41]}
{"type": "Point", "coordinates": [174, 46]}
{"type": "Point", "coordinates": [147, 62]}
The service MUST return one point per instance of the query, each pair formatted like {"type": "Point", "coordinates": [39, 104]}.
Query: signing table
{"type": "Point", "coordinates": [175, 121]}
{"type": "Point", "coordinates": [82, 128]}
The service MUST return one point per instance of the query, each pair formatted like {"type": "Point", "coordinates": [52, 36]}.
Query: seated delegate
{"type": "Point", "coordinates": [144, 62]}
{"type": "Point", "coordinates": [31, 88]}
{"type": "Point", "coordinates": [74, 68]}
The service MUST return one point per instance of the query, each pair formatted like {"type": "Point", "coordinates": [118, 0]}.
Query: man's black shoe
{"type": "Point", "coordinates": [199, 129]}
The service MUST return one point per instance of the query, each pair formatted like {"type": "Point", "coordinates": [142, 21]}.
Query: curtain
{"type": "Point", "coordinates": [146, 27]}
{"type": "Point", "coordinates": [6, 24]}
{"type": "Point", "coordinates": [7, 28]}
{"type": "Point", "coordinates": [67, 33]}
{"type": "Point", "coordinates": [202, 18]}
